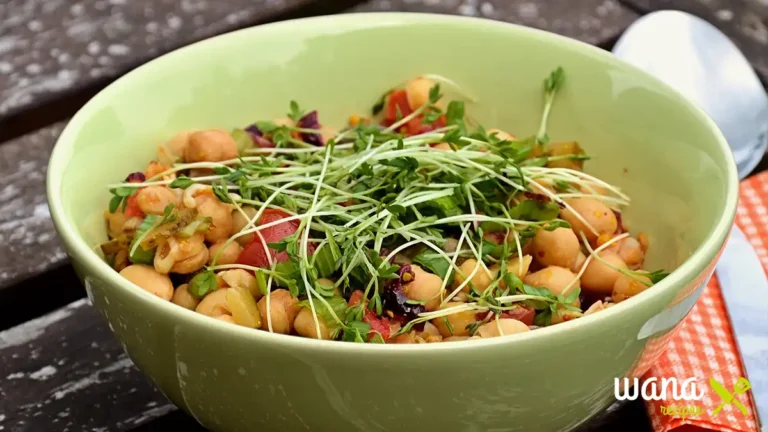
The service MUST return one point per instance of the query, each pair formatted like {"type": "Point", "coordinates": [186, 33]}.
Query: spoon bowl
{"type": "Point", "coordinates": [698, 60]}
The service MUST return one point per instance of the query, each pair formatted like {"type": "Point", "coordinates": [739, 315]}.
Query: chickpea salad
{"type": "Point", "coordinates": [412, 224]}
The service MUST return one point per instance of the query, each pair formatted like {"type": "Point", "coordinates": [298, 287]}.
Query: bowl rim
{"type": "Point", "coordinates": [62, 152]}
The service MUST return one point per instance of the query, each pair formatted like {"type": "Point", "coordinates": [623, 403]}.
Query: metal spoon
{"type": "Point", "coordinates": [695, 58]}
{"type": "Point", "coordinates": [702, 63]}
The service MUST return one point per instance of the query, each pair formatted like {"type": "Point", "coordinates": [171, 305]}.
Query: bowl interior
{"type": "Point", "coordinates": [643, 137]}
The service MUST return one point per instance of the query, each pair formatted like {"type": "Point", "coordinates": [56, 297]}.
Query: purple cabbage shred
{"type": "Point", "coordinates": [394, 299]}
{"type": "Point", "coordinates": [310, 121]}
{"type": "Point", "coordinates": [138, 176]}
{"type": "Point", "coordinates": [258, 137]}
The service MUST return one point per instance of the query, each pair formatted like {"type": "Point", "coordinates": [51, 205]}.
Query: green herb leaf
{"type": "Point", "coordinates": [114, 203]}
{"type": "Point", "coordinates": [328, 259]}
{"type": "Point", "coordinates": [242, 139]}
{"type": "Point", "coordinates": [199, 225]}
{"type": "Point", "coordinates": [657, 276]}
{"type": "Point", "coordinates": [434, 263]}
{"type": "Point", "coordinates": [203, 283]}
{"type": "Point", "coordinates": [266, 126]}
{"type": "Point", "coordinates": [261, 282]}
{"type": "Point", "coordinates": [222, 193]}
{"type": "Point", "coordinates": [379, 105]}
{"type": "Point", "coordinates": [338, 307]}
{"type": "Point", "coordinates": [572, 295]}
{"type": "Point", "coordinates": [434, 94]}
{"type": "Point", "coordinates": [535, 210]}
{"type": "Point", "coordinates": [543, 318]}
{"type": "Point", "coordinates": [182, 182]}
{"type": "Point", "coordinates": [555, 80]}
{"type": "Point", "coordinates": [356, 331]}
{"type": "Point", "coordinates": [296, 113]}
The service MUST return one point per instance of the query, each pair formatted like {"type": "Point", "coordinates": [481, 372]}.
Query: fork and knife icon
{"type": "Point", "coordinates": [740, 387]}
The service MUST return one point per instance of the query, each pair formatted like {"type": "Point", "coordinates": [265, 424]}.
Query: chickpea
{"type": "Point", "coordinates": [170, 152]}
{"type": "Point", "coordinates": [579, 262]}
{"type": "Point", "coordinates": [424, 287]}
{"type": "Point", "coordinates": [239, 222]}
{"type": "Point", "coordinates": [417, 91]}
{"type": "Point", "coordinates": [155, 168]}
{"type": "Point", "coordinates": [631, 252]}
{"type": "Point", "coordinates": [450, 245]}
{"type": "Point", "coordinates": [599, 278]}
{"type": "Point", "coordinates": [407, 338]}
{"type": "Point", "coordinates": [244, 309]}
{"type": "Point", "coordinates": [626, 287]}
{"type": "Point", "coordinates": [481, 280]}
{"type": "Point", "coordinates": [213, 145]}
{"type": "Point", "coordinates": [502, 327]}
{"type": "Point", "coordinates": [562, 315]}
{"type": "Point", "coordinates": [149, 280]}
{"type": "Point", "coordinates": [191, 264]}
{"type": "Point", "coordinates": [229, 252]}
{"type": "Point", "coordinates": [282, 311]}
{"type": "Point", "coordinates": [181, 255]}
{"type": "Point", "coordinates": [220, 214]}
{"type": "Point", "coordinates": [459, 338]}
{"type": "Point", "coordinates": [556, 248]}
{"type": "Point", "coordinates": [241, 278]}
{"type": "Point", "coordinates": [597, 214]}
{"type": "Point", "coordinates": [458, 322]}
{"type": "Point", "coordinates": [183, 298]}
{"type": "Point", "coordinates": [305, 325]}
{"type": "Point", "coordinates": [154, 199]}
{"type": "Point", "coordinates": [226, 318]}
{"type": "Point", "coordinates": [214, 304]}
{"type": "Point", "coordinates": [555, 279]}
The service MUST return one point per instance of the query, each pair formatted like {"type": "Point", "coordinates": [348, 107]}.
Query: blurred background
{"type": "Point", "coordinates": [56, 54]}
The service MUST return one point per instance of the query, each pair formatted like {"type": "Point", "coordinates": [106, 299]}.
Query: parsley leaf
{"type": "Point", "coordinates": [203, 283]}
{"type": "Point", "coordinates": [296, 113]}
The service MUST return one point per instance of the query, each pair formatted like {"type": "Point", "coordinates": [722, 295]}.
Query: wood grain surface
{"type": "Point", "coordinates": [598, 22]}
{"type": "Point", "coordinates": [52, 52]}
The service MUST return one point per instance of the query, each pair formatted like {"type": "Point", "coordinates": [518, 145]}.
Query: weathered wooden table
{"type": "Point", "coordinates": [60, 368]}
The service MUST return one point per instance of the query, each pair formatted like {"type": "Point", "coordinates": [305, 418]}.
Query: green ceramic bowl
{"type": "Point", "coordinates": [665, 153]}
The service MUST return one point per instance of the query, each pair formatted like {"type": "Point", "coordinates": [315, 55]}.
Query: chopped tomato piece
{"type": "Point", "coordinates": [356, 298]}
{"type": "Point", "coordinates": [378, 324]}
{"type": "Point", "coordinates": [397, 101]}
{"type": "Point", "coordinates": [132, 207]}
{"type": "Point", "coordinates": [132, 203]}
{"type": "Point", "coordinates": [253, 253]}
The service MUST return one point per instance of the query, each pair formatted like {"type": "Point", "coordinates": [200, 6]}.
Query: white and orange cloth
{"type": "Point", "coordinates": [704, 346]}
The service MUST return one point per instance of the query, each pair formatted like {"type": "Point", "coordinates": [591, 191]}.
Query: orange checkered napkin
{"type": "Point", "coordinates": [704, 345]}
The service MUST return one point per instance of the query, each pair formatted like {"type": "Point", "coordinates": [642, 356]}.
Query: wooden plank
{"type": "Point", "coordinates": [53, 48]}
{"type": "Point", "coordinates": [65, 372]}
{"type": "Point", "coordinates": [744, 21]}
{"type": "Point", "coordinates": [598, 22]}
{"type": "Point", "coordinates": [30, 244]}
